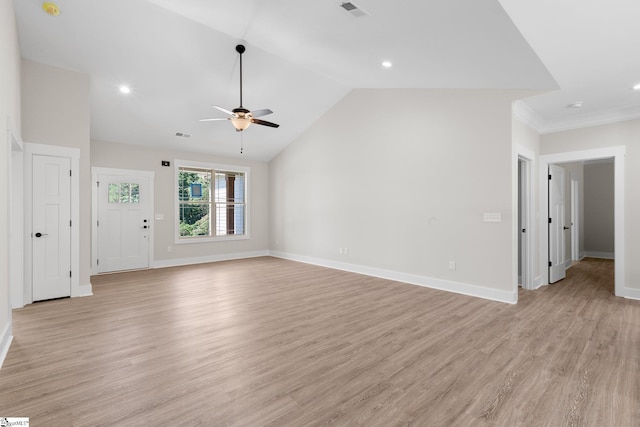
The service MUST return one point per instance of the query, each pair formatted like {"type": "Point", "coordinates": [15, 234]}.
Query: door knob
{"type": "Point", "coordinates": [566, 228]}
{"type": "Point", "coordinates": [41, 234]}
{"type": "Point", "coordinates": [144, 226]}
{"type": "Point", "coordinates": [524, 230]}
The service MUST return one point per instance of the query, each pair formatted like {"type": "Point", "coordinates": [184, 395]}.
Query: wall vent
{"type": "Point", "coordinates": [353, 9]}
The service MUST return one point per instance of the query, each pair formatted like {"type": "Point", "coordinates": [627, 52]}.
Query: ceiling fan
{"type": "Point", "coordinates": [240, 117]}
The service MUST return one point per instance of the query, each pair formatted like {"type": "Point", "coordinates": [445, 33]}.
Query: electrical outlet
{"type": "Point", "coordinates": [452, 265]}
{"type": "Point", "coordinates": [169, 248]}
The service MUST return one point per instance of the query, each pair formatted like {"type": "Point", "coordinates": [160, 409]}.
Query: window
{"type": "Point", "coordinates": [211, 202]}
{"type": "Point", "coordinates": [124, 192]}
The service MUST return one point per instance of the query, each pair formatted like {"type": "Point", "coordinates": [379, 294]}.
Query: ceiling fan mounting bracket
{"type": "Point", "coordinates": [240, 49]}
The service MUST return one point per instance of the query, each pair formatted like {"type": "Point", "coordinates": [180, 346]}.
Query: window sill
{"type": "Point", "coordinates": [208, 239]}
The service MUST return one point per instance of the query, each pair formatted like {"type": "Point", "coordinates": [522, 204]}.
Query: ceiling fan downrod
{"type": "Point", "coordinates": [240, 49]}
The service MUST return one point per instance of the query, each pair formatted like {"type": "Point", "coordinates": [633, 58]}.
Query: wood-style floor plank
{"type": "Point", "coordinates": [269, 342]}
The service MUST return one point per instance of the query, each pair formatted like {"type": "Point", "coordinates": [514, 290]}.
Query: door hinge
{"type": "Point", "coordinates": [549, 263]}
{"type": "Point", "coordinates": [98, 183]}
{"type": "Point", "coordinates": [69, 172]}
{"type": "Point", "coordinates": [69, 274]}
{"type": "Point", "coordinates": [549, 220]}
{"type": "Point", "coordinates": [70, 223]}
{"type": "Point", "coordinates": [549, 177]}
{"type": "Point", "coordinates": [97, 262]}
{"type": "Point", "coordinates": [98, 223]}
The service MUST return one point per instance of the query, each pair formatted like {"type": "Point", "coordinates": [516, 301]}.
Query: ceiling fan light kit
{"type": "Point", "coordinates": [240, 117]}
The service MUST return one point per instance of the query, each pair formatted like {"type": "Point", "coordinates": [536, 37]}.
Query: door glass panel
{"type": "Point", "coordinates": [124, 192]}
{"type": "Point", "coordinates": [114, 193]}
{"type": "Point", "coordinates": [135, 193]}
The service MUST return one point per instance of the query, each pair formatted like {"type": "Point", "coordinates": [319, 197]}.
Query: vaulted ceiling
{"type": "Point", "coordinates": [179, 58]}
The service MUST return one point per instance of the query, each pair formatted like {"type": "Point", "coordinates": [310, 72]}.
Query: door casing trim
{"type": "Point", "coordinates": [618, 154]}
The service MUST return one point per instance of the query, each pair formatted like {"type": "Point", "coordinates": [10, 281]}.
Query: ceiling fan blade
{"type": "Point", "coordinates": [211, 120]}
{"type": "Point", "coordinates": [260, 113]}
{"type": "Point", "coordinates": [224, 110]}
{"type": "Point", "coordinates": [264, 123]}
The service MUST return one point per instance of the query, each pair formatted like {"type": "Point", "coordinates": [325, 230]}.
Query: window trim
{"type": "Point", "coordinates": [178, 240]}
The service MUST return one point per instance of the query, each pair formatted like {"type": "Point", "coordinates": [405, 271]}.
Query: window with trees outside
{"type": "Point", "coordinates": [211, 202]}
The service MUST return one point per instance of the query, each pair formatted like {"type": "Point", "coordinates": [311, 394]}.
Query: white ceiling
{"type": "Point", "coordinates": [179, 58]}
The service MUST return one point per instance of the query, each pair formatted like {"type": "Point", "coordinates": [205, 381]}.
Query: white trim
{"type": "Point", "coordinates": [603, 255]}
{"type": "Point", "coordinates": [632, 293]}
{"type": "Point", "coordinates": [5, 342]}
{"type": "Point", "coordinates": [618, 153]}
{"type": "Point", "coordinates": [95, 171]}
{"type": "Point", "coordinates": [177, 262]}
{"type": "Point", "coordinates": [510, 297]}
{"type": "Point", "coordinates": [600, 119]}
{"type": "Point", "coordinates": [177, 164]}
{"type": "Point", "coordinates": [529, 159]}
{"type": "Point", "coordinates": [527, 116]}
{"type": "Point", "coordinates": [31, 149]}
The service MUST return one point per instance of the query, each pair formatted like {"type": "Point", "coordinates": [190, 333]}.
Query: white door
{"type": "Point", "coordinates": [556, 224]}
{"type": "Point", "coordinates": [51, 227]}
{"type": "Point", "coordinates": [123, 222]}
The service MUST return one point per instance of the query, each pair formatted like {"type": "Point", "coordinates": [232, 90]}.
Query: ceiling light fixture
{"type": "Point", "coordinates": [387, 64]}
{"type": "Point", "coordinates": [51, 8]}
{"type": "Point", "coordinates": [125, 89]}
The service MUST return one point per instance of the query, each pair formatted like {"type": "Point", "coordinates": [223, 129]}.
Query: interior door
{"type": "Point", "coordinates": [123, 223]}
{"type": "Point", "coordinates": [51, 227]}
{"type": "Point", "coordinates": [556, 224]}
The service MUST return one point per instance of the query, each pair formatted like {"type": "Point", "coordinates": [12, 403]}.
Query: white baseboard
{"type": "Point", "coordinates": [631, 293]}
{"type": "Point", "coordinates": [209, 258]}
{"type": "Point", "coordinates": [510, 297]}
{"type": "Point", "coordinates": [596, 254]}
{"type": "Point", "coordinates": [83, 291]}
{"type": "Point", "coordinates": [537, 283]}
{"type": "Point", "coordinates": [5, 342]}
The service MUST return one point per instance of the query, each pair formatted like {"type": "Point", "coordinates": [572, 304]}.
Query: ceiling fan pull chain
{"type": "Point", "coordinates": [241, 143]}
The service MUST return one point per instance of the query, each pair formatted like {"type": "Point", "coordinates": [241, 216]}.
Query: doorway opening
{"type": "Point", "coordinates": [617, 153]}
{"type": "Point", "coordinates": [525, 214]}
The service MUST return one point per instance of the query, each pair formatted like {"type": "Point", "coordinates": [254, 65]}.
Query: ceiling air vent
{"type": "Point", "coordinates": [353, 9]}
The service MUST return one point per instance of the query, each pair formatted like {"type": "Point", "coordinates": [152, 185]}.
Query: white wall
{"type": "Point", "coordinates": [127, 156]}
{"type": "Point", "coordinates": [9, 112]}
{"type": "Point", "coordinates": [402, 178]}
{"type": "Point", "coordinates": [56, 111]}
{"type": "Point", "coordinates": [599, 213]}
{"type": "Point", "coordinates": [624, 134]}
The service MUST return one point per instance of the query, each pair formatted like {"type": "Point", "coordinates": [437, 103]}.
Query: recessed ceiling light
{"type": "Point", "coordinates": [387, 64]}
{"type": "Point", "coordinates": [637, 87]}
{"type": "Point", "coordinates": [125, 89]}
{"type": "Point", "coordinates": [577, 104]}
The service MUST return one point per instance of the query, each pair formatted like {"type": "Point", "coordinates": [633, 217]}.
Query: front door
{"type": "Point", "coordinates": [123, 222]}
{"type": "Point", "coordinates": [556, 224]}
{"type": "Point", "coordinates": [51, 227]}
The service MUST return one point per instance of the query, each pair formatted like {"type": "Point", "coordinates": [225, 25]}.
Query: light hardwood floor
{"type": "Point", "coordinates": [272, 342]}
